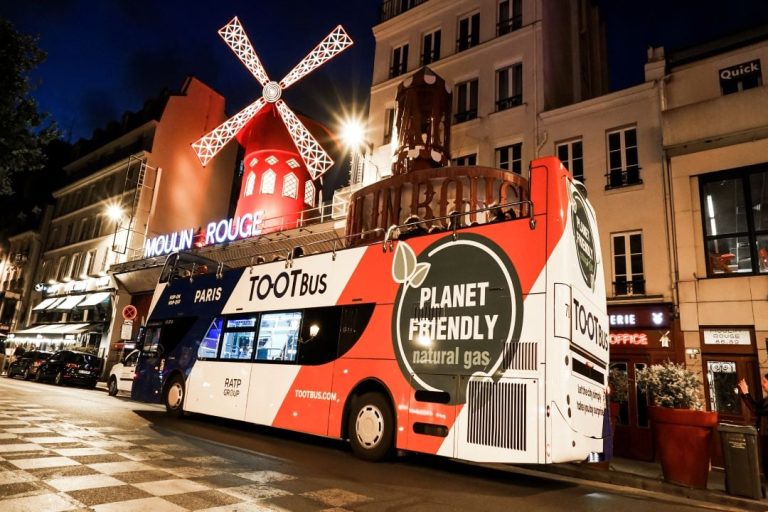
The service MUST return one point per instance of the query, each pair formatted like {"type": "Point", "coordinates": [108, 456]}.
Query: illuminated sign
{"type": "Point", "coordinates": [657, 316]}
{"type": "Point", "coordinates": [727, 337]}
{"type": "Point", "coordinates": [217, 232]}
{"type": "Point", "coordinates": [626, 338]}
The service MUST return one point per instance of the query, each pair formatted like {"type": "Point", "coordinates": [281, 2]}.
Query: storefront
{"type": "Point", "coordinates": [729, 354]}
{"type": "Point", "coordinates": [640, 335]}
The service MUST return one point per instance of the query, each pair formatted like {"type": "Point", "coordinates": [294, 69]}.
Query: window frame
{"type": "Point", "coordinates": [465, 160]}
{"type": "Point", "coordinates": [398, 60]}
{"type": "Point", "coordinates": [512, 19]}
{"type": "Point", "coordinates": [570, 161]}
{"type": "Point", "coordinates": [290, 186]}
{"type": "Point", "coordinates": [465, 112]}
{"type": "Point", "coordinates": [741, 174]}
{"type": "Point", "coordinates": [512, 162]}
{"type": "Point", "coordinates": [268, 182]}
{"type": "Point", "coordinates": [430, 50]}
{"type": "Point", "coordinates": [513, 96]}
{"type": "Point", "coordinates": [625, 175]}
{"type": "Point", "coordinates": [472, 37]}
{"type": "Point", "coordinates": [630, 282]}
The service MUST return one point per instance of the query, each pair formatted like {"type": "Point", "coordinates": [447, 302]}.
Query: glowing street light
{"type": "Point", "coordinates": [353, 133]}
{"type": "Point", "coordinates": [114, 212]}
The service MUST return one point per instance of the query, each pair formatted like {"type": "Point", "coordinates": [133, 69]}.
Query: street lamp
{"type": "Point", "coordinates": [114, 212]}
{"type": "Point", "coordinates": [353, 134]}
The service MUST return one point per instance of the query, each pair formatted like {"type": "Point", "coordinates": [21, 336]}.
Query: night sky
{"type": "Point", "coordinates": [109, 56]}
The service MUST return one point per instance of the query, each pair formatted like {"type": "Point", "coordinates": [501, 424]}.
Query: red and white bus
{"type": "Point", "coordinates": [486, 343]}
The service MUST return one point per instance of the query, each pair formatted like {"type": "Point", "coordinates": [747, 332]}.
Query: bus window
{"type": "Point", "coordinates": [238, 338]}
{"type": "Point", "coordinates": [278, 336]}
{"type": "Point", "coordinates": [209, 346]}
{"type": "Point", "coordinates": [151, 339]}
{"type": "Point", "coordinates": [354, 320]}
{"type": "Point", "coordinates": [319, 335]}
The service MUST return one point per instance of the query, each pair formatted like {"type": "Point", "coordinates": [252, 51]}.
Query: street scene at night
{"type": "Point", "coordinates": [407, 255]}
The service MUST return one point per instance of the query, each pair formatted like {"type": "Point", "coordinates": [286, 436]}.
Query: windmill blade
{"type": "Point", "coordinates": [314, 156]}
{"type": "Point", "coordinates": [333, 44]}
{"type": "Point", "coordinates": [234, 35]}
{"type": "Point", "coordinates": [209, 145]}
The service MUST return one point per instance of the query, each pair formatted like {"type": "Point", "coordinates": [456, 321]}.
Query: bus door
{"type": "Point", "coordinates": [292, 373]}
{"type": "Point", "coordinates": [160, 354]}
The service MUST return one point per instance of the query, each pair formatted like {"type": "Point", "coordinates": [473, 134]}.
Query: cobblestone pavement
{"type": "Point", "coordinates": [51, 461]}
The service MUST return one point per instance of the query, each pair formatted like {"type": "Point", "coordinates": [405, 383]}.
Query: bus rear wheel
{"type": "Point", "coordinates": [174, 397]}
{"type": "Point", "coordinates": [371, 427]}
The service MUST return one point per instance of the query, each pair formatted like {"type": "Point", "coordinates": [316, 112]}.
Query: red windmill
{"type": "Point", "coordinates": [277, 181]}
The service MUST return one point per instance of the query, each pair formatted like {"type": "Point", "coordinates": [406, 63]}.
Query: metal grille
{"type": "Point", "coordinates": [497, 414]}
{"type": "Point", "coordinates": [521, 356]}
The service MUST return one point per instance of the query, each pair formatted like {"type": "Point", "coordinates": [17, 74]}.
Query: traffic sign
{"type": "Point", "coordinates": [130, 312]}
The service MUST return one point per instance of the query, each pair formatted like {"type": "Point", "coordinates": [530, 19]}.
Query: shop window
{"type": "Point", "coordinates": [628, 276]}
{"type": "Point", "coordinates": [466, 101]}
{"type": "Point", "coordinates": [430, 47]}
{"type": "Point", "coordinates": [399, 63]}
{"type": "Point", "coordinates": [464, 160]}
{"type": "Point", "coordinates": [623, 166]}
{"type": "Point", "coordinates": [734, 206]}
{"type": "Point", "coordinates": [572, 156]}
{"type": "Point", "coordinates": [510, 157]}
{"type": "Point", "coordinates": [290, 185]}
{"type": "Point", "coordinates": [469, 32]}
{"type": "Point", "coordinates": [268, 182]}
{"type": "Point", "coordinates": [509, 87]}
{"type": "Point", "coordinates": [510, 16]}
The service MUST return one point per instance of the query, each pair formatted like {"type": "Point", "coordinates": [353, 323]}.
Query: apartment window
{"type": "Point", "coordinates": [470, 159]}
{"type": "Point", "coordinates": [469, 32]}
{"type": "Point", "coordinates": [90, 262]}
{"type": "Point", "coordinates": [96, 227]}
{"type": "Point", "coordinates": [290, 186]}
{"type": "Point", "coordinates": [466, 101]}
{"type": "Point", "coordinates": [389, 124]}
{"type": "Point", "coordinates": [52, 238]}
{"type": "Point", "coordinates": [61, 268]}
{"type": "Point", "coordinates": [623, 167]}
{"type": "Point", "coordinates": [74, 266]}
{"type": "Point", "coordinates": [430, 48]}
{"type": "Point", "coordinates": [309, 193]}
{"type": "Point", "coordinates": [399, 61]}
{"type": "Point", "coordinates": [509, 86]}
{"type": "Point", "coordinates": [628, 276]}
{"type": "Point", "coordinates": [268, 182]}
{"type": "Point", "coordinates": [572, 156]}
{"type": "Point", "coordinates": [510, 157]}
{"type": "Point", "coordinates": [734, 206]}
{"type": "Point", "coordinates": [741, 77]}
{"type": "Point", "coordinates": [510, 16]}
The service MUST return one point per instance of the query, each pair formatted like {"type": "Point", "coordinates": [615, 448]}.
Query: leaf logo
{"type": "Point", "coordinates": [405, 269]}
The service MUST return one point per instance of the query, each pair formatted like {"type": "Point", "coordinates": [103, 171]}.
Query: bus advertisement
{"type": "Point", "coordinates": [486, 343]}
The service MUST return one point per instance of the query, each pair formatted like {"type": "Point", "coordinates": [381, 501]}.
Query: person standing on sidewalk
{"type": "Point", "coordinates": [759, 408]}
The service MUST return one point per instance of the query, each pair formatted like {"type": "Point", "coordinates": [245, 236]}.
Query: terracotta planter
{"type": "Point", "coordinates": [682, 439]}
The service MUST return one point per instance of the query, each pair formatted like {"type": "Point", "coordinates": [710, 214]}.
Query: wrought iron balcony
{"type": "Point", "coordinates": [509, 25]}
{"type": "Point", "coordinates": [466, 115]}
{"type": "Point", "coordinates": [392, 8]}
{"type": "Point", "coordinates": [511, 101]}
{"type": "Point", "coordinates": [617, 178]}
{"type": "Point", "coordinates": [633, 287]}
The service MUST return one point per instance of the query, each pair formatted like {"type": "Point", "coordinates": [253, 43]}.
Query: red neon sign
{"type": "Point", "coordinates": [626, 338]}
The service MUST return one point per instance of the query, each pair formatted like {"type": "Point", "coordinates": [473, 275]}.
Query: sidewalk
{"type": "Point", "coordinates": [647, 476]}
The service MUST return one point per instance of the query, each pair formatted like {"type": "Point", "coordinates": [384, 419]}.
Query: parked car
{"type": "Point", "coordinates": [121, 375]}
{"type": "Point", "coordinates": [28, 363]}
{"type": "Point", "coordinates": [70, 367]}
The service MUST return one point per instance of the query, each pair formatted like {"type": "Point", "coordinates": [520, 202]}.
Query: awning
{"type": "Point", "coordinates": [55, 329]}
{"type": "Point", "coordinates": [94, 298]}
{"type": "Point", "coordinates": [45, 303]}
{"type": "Point", "coordinates": [70, 302]}
{"type": "Point", "coordinates": [56, 302]}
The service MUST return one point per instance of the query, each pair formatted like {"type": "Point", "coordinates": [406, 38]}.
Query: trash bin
{"type": "Point", "coordinates": [742, 463]}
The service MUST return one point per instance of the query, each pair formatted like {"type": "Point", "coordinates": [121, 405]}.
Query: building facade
{"type": "Point", "coordinates": [108, 210]}
{"type": "Point", "coordinates": [715, 139]}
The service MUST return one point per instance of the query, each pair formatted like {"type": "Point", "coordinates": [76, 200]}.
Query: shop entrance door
{"type": "Point", "coordinates": [722, 373]}
{"type": "Point", "coordinates": [633, 437]}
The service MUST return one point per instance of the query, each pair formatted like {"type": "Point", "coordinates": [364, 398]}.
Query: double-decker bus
{"type": "Point", "coordinates": [486, 343]}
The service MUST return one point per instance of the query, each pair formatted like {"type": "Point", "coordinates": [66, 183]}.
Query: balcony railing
{"type": "Point", "coordinates": [617, 178]}
{"type": "Point", "coordinates": [392, 8]}
{"type": "Point", "coordinates": [466, 42]}
{"type": "Point", "coordinates": [509, 25]}
{"type": "Point", "coordinates": [430, 56]}
{"type": "Point", "coordinates": [398, 69]}
{"type": "Point", "coordinates": [511, 101]}
{"type": "Point", "coordinates": [460, 117]}
{"type": "Point", "coordinates": [633, 287]}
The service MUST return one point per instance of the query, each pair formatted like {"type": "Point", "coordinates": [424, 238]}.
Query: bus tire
{"type": "Point", "coordinates": [371, 427]}
{"type": "Point", "coordinates": [174, 397]}
{"type": "Point", "coordinates": [112, 386]}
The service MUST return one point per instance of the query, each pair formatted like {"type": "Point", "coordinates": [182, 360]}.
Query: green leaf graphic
{"type": "Point", "coordinates": [419, 274]}
{"type": "Point", "coordinates": [404, 263]}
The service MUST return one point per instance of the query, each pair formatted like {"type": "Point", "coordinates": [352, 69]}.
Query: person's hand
{"type": "Point", "coordinates": [743, 387]}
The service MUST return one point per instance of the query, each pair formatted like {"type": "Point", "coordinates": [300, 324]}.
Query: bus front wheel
{"type": "Point", "coordinates": [174, 397]}
{"type": "Point", "coordinates": [371, 427]}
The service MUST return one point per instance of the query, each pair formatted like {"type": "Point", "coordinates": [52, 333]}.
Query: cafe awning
{"type": "Point", "coordinates": [70, 302]}
{"type": "Point", "coordinates": [55, 329]}
{"type": "Point", "coordinates": [45, 303]}
{"type": "Point", "coordinates": [94, 298]}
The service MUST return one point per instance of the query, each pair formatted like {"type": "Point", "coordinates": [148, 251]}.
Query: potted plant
{"type": "Point", "coordinates": [618, 382]}
{"type": "Point", "coordinates": [682, 431]}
